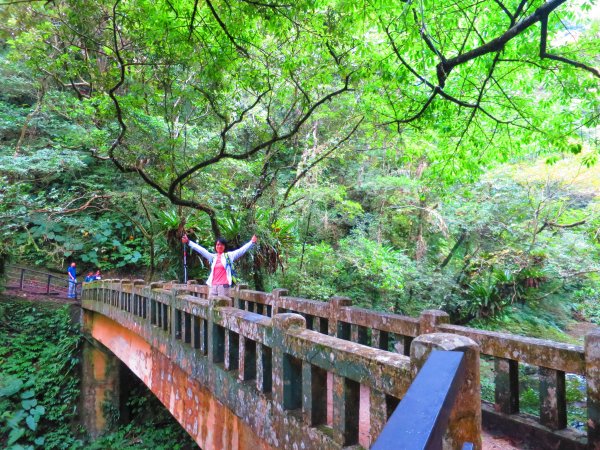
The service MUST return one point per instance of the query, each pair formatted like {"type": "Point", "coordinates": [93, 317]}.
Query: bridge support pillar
{"type": "Point", "coordinates": [100, 389]}
{"type": "Point", "coordinates": [465, 419]}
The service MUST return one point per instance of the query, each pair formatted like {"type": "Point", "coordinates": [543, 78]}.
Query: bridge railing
{"type": "Point", "coordinates": [38, 282]}
{"type": "Point", "coordinates": [552, 361]}
{"type": "Point", "coordinates": [343, 391]}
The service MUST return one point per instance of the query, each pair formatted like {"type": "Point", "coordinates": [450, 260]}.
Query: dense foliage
{"type": "Point", "coordinates": [39, 385]}
{"type": "Point", "coordinates": [39, 388]}
{"type": "Point", "coordinates": [408, 155]}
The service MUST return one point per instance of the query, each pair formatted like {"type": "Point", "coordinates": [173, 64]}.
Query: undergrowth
{"type": "Point", "coordinates": [39, 384]}
{"type": "Point", "coordinates": [39, 388]}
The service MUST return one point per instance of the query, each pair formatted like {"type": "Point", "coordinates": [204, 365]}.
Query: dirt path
{"type": "Point", "coordinates": [495, 441]}
{"type": "Point", "coordinates": [579, 329]}
{"type": "Point", "coordinates": [17, 293]}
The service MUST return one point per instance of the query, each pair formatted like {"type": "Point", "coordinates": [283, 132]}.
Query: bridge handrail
{"type": "Point", "coordinates": [538, 352]}
{"type": "Point", "coordinates": [301, 344]}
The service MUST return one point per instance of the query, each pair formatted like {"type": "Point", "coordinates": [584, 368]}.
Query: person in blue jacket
{"type": "Point", "coordinates": [90, 277]}
{"type": "Point", "coordinates": [220, 279]}
{"type": "Point", "coordinates": [72, 273]}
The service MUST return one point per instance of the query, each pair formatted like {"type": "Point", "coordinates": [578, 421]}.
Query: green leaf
{"type": "Point", "coordinates": [14, 421]}
{"type": "Point", "coordinates": [28, 404]}
{"type": "Point", "coordinates": [10, 387]}
{"type": "Point", "coordinates": [28, 394]}
{"type": "Point", "coordinates": [32, 423]}
{"type": "Point", "coordinates": [15, 435]}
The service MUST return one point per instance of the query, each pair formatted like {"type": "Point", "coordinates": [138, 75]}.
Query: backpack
{"type": "Point", "coordinates": [234, 275]}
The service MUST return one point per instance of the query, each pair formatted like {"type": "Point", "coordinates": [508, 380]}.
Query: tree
{"type": "Point", "coordinates": [183, 88]}
{"type": "Point", "coordinates": [487, 79]}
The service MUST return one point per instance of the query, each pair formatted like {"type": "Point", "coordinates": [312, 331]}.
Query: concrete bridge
{"type": "Point", "coordinates": [270, 371]}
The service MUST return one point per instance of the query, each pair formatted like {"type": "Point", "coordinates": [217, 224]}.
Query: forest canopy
{"type": "Point", "coordinates": [377, 148]}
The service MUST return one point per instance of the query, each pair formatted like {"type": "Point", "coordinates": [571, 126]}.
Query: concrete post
{"type": "Point", "coordinates": [335, 303]}
{"type": "Point", "coordinates": [430, 319]}
{"type": "Point", "coordinates": [592, 374]}
{"type": "Point", "coordinates": [275, 300]}
{"type": "Point", "coordinates": [465, 419]}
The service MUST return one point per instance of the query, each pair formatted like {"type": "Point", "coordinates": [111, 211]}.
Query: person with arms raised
{"type": "Point", "coordinates": [220, 279]}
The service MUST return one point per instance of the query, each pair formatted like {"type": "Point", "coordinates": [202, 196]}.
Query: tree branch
{"type": "Point", "coordinates": [444, 67]}
{"type": "Point", "coordinates": [238, 47]}
{"type": "Point", "coordinates": [545, 54]}
{"type": "Point", "coordinates": [303, 173]}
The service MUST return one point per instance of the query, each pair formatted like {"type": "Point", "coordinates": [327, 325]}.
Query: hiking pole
{"type": "Point", "coordinates": [185, 274]}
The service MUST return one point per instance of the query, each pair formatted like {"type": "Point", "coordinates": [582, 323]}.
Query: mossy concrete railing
{"type": "Point", "coordinates": [552, 361]}
{"type": "Point", "coordinates": [292, 386]}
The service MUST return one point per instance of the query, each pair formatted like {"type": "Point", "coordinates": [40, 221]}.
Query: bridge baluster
{"type": "Point", "coordinates": [260, 309]}
{"type": "Point", "coordinates": [287, 370]}
{"type": "Point", "coordinates": [359, 334]}
{"type": "Point", "coordinates": [237, 301]}
{"type": "Point", "coordinates": [506, 390]}
{"type": "Point", "coordinates": [346, 407]}
{"type": "Point", "coordinates": [380, 339]}
{"type": "Point", "coordinates": [314, 394]}
{"type": "Point", "coordinates": [216, 344]}
{"type": "Point", "coordinates": [553, 402]}
{"type": "Point", "coordinates": [177, 319]}
{"type": "Point", "coordinates": [216, 333]}
{"type": "Point", "coordinates": [232, 350]}
{"type": "Point", "coordinates": [264, 368]}
{"type": "Point", "coordinates": [166, 317]}
{"type": "Point", "coordinates": [204, 337]}
{"type": "Point", "coordinates": [381, 408]}
{"type": "Point", "coordinates": [153, 303]}
{"type": "Point", "coordinates": [153, 312]}
{"type": "Point", "coordinates": [187, 325]}
{"type": "Point", "coordinates": [292, 382]}
{"type": "Point", "coordinates": [195, 331]}
{"type": "Point", "coordinates": [144, 301]}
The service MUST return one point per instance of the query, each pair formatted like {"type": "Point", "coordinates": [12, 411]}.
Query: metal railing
{"type": "Point", "coordinates": [39, 282]}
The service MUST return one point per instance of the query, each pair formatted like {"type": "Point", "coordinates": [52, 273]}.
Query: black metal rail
{"type": "Point", "coordinates": [38, 282]}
